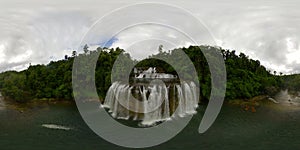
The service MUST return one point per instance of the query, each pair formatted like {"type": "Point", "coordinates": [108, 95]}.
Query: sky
{"type": "Point", "coordinates": [39, 31]}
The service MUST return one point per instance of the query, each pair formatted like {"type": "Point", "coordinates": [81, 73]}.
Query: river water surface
{"type": "Point", "coordinates": [59, 126]}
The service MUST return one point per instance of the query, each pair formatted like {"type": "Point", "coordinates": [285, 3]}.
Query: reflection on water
{"type": "Point", "coordinates": [234, 129]}
{"type": "Point", "coordinates": [2, 103]}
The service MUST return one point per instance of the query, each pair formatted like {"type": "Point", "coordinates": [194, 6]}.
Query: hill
{"type": "Point", "coordinates": [246, 77]}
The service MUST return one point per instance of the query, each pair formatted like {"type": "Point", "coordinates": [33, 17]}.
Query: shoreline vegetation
{"type": "Point", "coordinates": [23, 107]}
{"type": "Point", "coordinates": [250, 105]}
{"type": "Point", "coordinates": [248, 82]}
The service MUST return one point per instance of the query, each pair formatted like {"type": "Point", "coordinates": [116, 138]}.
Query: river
{"type": "Point", "coordinates": [59, 126]}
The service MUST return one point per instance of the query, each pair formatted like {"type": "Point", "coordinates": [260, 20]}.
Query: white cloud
{"type": "Point", "coordinates": [40, 31]}
{"type": "Point", "coordinates": [259, 29]}
{"type": "Point", "coordinates": [143, 40]}
{"type": "Point", "coordinates": [2, 54]}
{"type": "Point", "coordinates": [39, 36]}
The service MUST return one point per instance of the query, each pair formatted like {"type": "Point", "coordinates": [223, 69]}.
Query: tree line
{"type": "Point", "coordinates": [246, 77]}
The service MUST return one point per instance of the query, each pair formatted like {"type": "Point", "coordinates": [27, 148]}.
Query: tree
{"type": "Point", "coordinates": [99, 49]}
{"type": "Point", "coordinates": [160, 48]}
{"type": "Point", "coordinates": [245, 77]}
{"type": "Point", "coordinates": [74, 54]}
{"type": "Point", "coordinates": [86, 48]}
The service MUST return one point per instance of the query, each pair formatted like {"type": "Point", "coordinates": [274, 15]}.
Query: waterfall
{"type": "Point", "coordinates": [158, 94]}
{"type": "Point", "coordinates": [151, 103]}
{"type": "Point", "coordinates": [166, 114]}
{"type": "Point", "coordinates": [181, 103]}
{"type": "Point", "coordinates": [284, 97]}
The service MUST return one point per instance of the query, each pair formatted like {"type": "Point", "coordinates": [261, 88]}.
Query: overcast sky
{"type": "Point", "coordinates": [38, 31]}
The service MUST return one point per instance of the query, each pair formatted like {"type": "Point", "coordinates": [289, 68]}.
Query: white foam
{"type": "Point", "coordinates": [273, 100]}
{"type": "Point", "coordinates": [156, 107]}
{"type": "Point", "coordinates": [57, 127]}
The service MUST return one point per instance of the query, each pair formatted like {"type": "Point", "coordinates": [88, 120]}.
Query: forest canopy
{"type": "Point", "coordinates": [246, 77]}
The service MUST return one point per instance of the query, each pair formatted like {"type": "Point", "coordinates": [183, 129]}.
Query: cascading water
{"type": "Point", "coordinates": [155, 103]}
{"type": "Point", "coordinates": [284, 97]}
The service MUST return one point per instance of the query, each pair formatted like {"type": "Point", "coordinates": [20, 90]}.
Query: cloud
{"type": "Point", "coordinates": [38, 32]}
{"type": "Point", "coordinates": [143, 40]}
{"type": "Point", "coordinates": [37, 36]}
{"type": "Point", "coordinates": [265, 31]}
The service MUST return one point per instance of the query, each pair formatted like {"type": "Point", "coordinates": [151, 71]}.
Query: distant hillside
{"type": "Point", "coordinates": [291, 82]}
{"type": "Point", "coordinates": [246, 78]}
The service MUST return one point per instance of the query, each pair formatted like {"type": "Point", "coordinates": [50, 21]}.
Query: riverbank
{"type": "Point", "coordinates": [251, 105]}
{"type": "Point", "coordinates": [21, 107]}
{"type": "Point", "coordinates": [262, 102]}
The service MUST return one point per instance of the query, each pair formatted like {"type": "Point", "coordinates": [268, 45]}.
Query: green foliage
{"type": "Point", "coordinates": [246, 78]}
{"type": "Point", "coordinates": [13, 85]}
